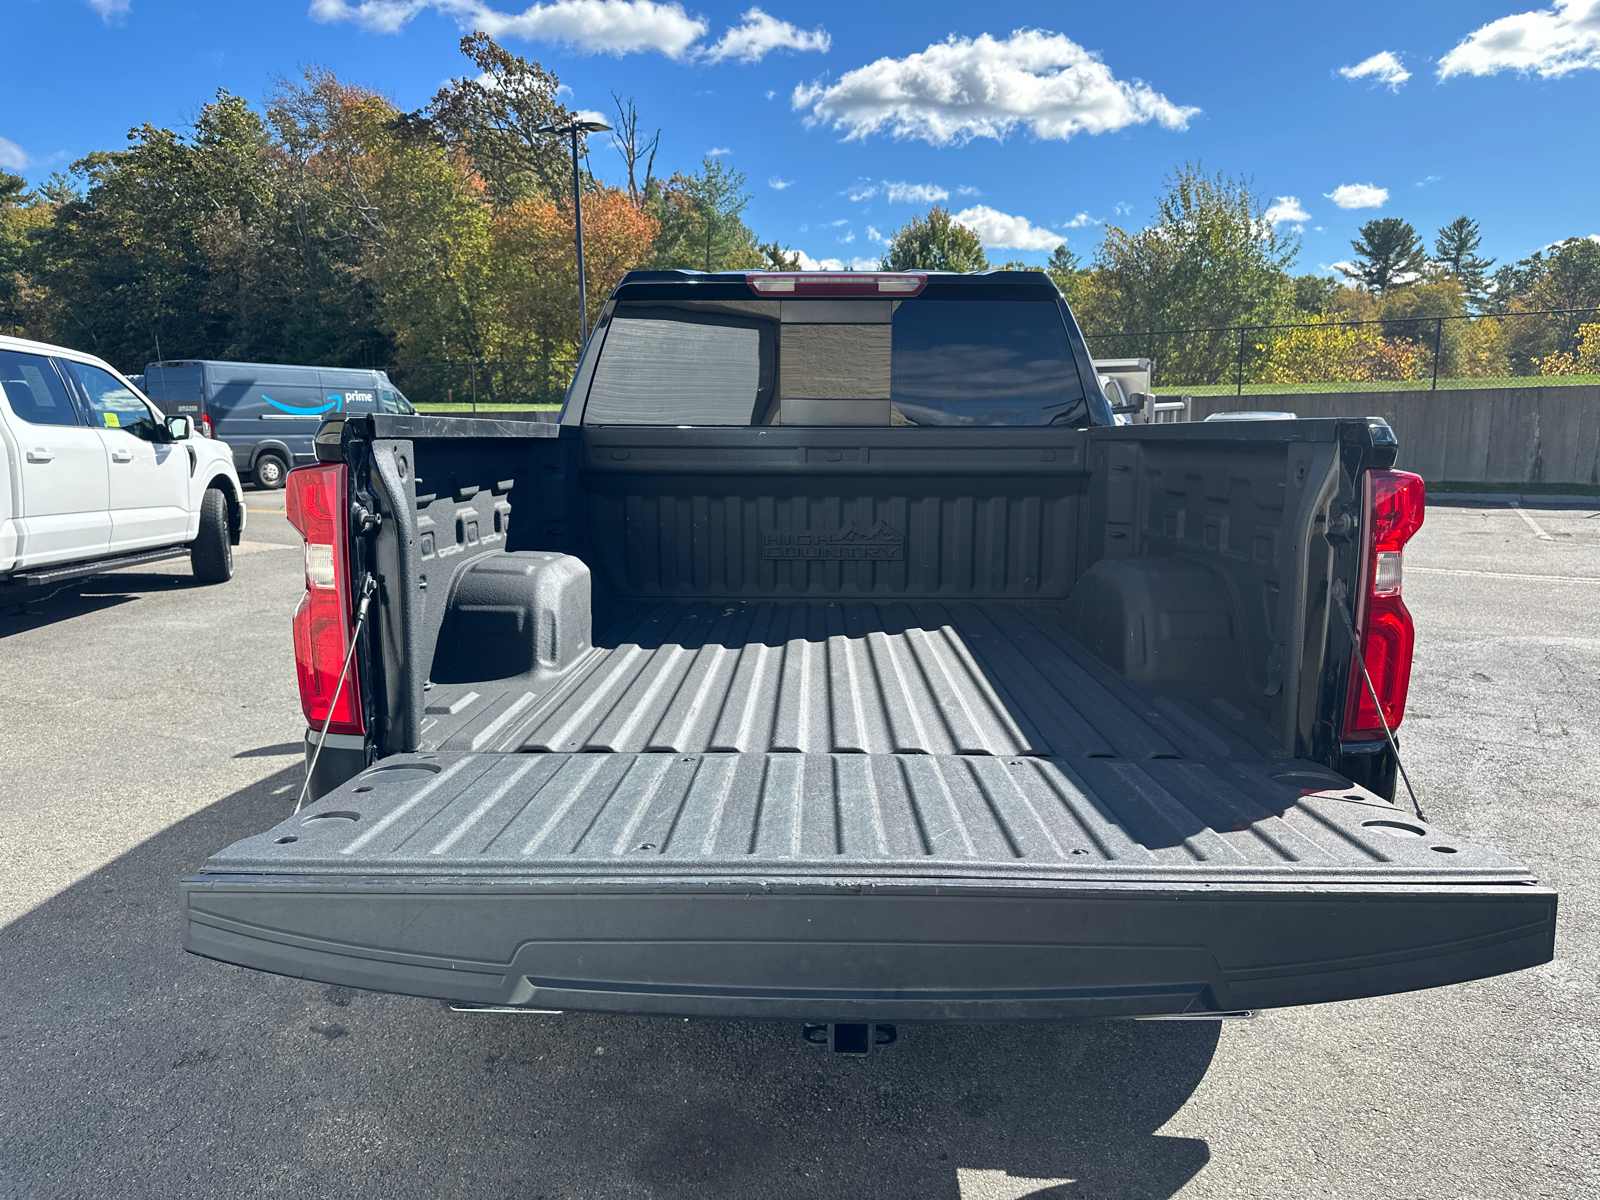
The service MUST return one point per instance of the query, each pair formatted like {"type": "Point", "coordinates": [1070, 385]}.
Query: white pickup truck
{"type": "Point", "coordinates": [94, 477]}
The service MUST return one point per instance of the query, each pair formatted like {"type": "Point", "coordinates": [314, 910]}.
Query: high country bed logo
{"type": "Point", "coordinates": [878, 544]}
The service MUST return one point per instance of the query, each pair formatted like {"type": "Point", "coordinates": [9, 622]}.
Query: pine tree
{"type": "Point", "coordinates": [1388, 253]}
{"type": "Point", "coordinates": [1456, 248]}
{"type": "Point", "coordinates": [1063, 268]}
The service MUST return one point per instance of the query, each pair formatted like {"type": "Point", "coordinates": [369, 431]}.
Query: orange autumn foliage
{"type": "Point", "coordinates": [535, 263]}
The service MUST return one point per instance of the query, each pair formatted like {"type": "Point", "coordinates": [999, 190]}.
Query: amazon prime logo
{"type": "Point", "coordinates": [879, 543]}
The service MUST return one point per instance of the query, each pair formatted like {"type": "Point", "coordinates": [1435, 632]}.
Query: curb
{"type": "Point", "coordinates": [1505, 498]}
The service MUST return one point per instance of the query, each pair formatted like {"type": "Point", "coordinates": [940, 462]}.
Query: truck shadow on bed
{"type": "Point", "coordinates": [260, 1068]}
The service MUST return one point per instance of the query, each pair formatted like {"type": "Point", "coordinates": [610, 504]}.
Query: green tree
{"type": "Point", "coordinates": [702, 222]}
{"type": "Point", "coordinates": [934, 243]}
{"type": "Point", "coordinates": [1209, 261]}
{"type": "Point", "coordinates": [1388, 253]}
{"type": "Point", "coordinates": [1065, 270]}
{"type": "Point", "coordinates": [1565, 276]}
{"type": "Point", "coordinates": [1314, 293]}
{"type": "Point", "coordinates": [495, 118]}
{"type": "Point", "coordinates": [1456, 248]}
{"type": "Point", "coordinates": [24, 217]}
{"type": "Point", "coordinates": [151, 259]}
{"type": "Point", "coordinates": [779, 258]}
{"type": "Point", "coordinates": [59, 189]}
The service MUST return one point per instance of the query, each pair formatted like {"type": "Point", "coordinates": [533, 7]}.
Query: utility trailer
{"type": "Point", "coordinates": [836, 659]}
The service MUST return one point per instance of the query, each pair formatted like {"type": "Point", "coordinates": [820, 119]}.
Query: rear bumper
{"type": "Point", "coordinates": [868, 950]}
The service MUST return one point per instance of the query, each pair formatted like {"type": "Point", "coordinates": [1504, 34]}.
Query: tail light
{"type": "Point", "coordinates": [317, 504]}
{"type": "Point", "coordinates": [205, 425]}
{"type": "Point", "coordinates": [847, 283]}
{"type": "Point", "coordinates": [1394, 505]}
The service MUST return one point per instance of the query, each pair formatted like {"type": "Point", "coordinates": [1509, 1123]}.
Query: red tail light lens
{"type": "Point", "coordinates": [1395, 504]}
{"type": "Point", "coordinates": [317, 503]}
{"type": "Point", "coordinates": [205, 425]}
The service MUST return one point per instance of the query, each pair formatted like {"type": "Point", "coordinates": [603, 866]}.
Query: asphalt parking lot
{"type": "Point", "coordinates": [150, 721]}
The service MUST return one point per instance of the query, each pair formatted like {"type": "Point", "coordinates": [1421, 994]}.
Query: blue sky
{"type": "Point", "coordinates": [1039, 121]}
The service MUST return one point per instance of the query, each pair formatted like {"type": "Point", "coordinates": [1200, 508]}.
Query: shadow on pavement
{"type": "Point", "coordinates": [24, 611]}
{"type": "Point", "coordinates": [137, 1069]}
{"type": "Point", "coordinates": [281, 750]}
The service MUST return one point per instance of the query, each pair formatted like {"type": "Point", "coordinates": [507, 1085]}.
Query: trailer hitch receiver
{"type": "Point", "coordinates": [854, 1038]}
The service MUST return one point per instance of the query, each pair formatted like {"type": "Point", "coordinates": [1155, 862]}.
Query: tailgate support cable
{"type": "Point", "coordinates": [1344, 611]}
{"type": "Point", "coordinates": [367, 588]}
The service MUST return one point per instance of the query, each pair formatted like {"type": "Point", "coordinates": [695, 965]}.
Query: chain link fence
{"type": "Point", "coordinates": [489, 386]}
{"type": "Point", "coordinates": [1547, 347]}
{"type": "Point", "coordinates": [1555, 346]}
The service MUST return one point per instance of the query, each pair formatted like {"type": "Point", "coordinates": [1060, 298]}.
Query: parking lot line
{"type": "Point", "coordinates": [1532, 524]}
{"type": "Point", "coordinates": [1503, 574]}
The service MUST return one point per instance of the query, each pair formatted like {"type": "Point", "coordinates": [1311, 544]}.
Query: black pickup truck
{"type": "Point", "coordinates": [836, 658]}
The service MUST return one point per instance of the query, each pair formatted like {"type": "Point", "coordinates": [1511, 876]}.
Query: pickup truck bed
{"type": "Point", "coordinates": [848, 677]}
{"type": "Point", "coordinates": [764, 686]}
{"type": "Point", "coordinates": [672, 825]}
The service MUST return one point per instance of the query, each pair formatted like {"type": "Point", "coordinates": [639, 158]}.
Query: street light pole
{"type": "Point", "coordinates": [584, 123]}
{"type": "Point", "coordinates": [577, 225]}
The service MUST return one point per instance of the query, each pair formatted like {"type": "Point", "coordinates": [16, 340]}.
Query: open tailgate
{"type": "Point", "coordinates": [827, 887]}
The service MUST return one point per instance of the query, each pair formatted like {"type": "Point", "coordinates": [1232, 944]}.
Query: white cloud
{"type": "Point", "coordinates": [968, 190]}
{"type": "Point", "coordinates": [839, 222]}
{"type": "Point", "coordinates": [771, 93]}
{"type": "Point", "coordinates": [874, 236]}
{"type": "Point", "coordinates": [849, 237]}
{"type": "Point", "coordinates": [718, 152]}
{"type": "Point", "coordinates": [807, 263]}
{"type": "Point", "coordinates": [759, 34]}
{"type": "Point", "coordinates": [1005, 232]}
{"type": "Point", "coordinates": [1382, 66]}
{"type": "Point", "coordinates": [1550, 42]}
{"type": "Point", "coordinates": [1358, 195]}
{"type": "Point", "coordinates": [778, 185]}
{"type": "Point", "coordinates": [913, 193]}
{"type": "Point", "coordinates": [1082, 219]}
{"type": "Point", "coordinates": [110, 8]}
{"type": "Point", "coordinates": [964, 88]}
{"type": "Point", "coordinates": [1288, 208]}
{"type": "Point", "coordinates": [896, 193]}
{"type": "Point", "coordinates": [12, 156]}
{"type": "Point", "coordinates": [594, 26]}
{"type": "Point", "coordinates": [1424, 182]}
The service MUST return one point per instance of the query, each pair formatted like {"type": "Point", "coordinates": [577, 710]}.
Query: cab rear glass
{"type": "Point", "coordinates": [926, 361]}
